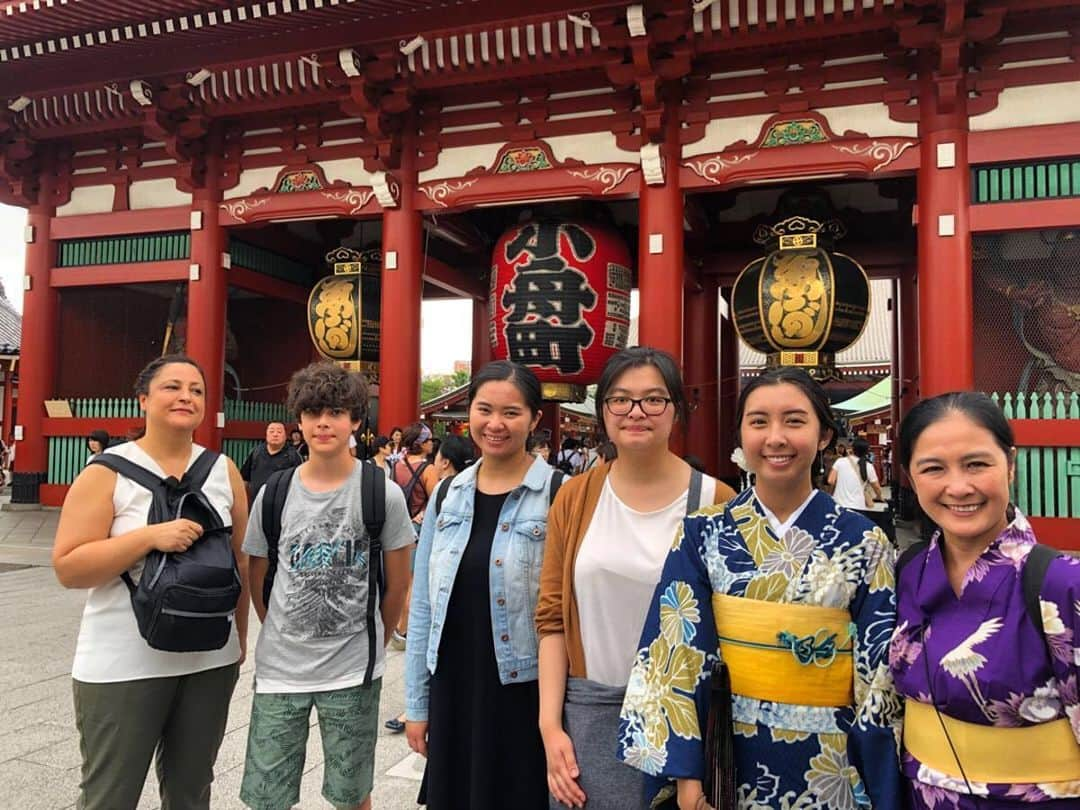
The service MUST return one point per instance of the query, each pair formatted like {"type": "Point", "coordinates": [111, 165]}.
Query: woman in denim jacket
{"type": "Point", "coordinates": [471, 656]}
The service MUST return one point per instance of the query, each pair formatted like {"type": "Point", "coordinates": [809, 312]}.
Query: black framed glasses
{"type": "Point", "coordinates": [650, 406]}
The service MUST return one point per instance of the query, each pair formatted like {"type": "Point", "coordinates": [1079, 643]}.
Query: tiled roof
{"type": "Point", "coordinates": [10, 327]}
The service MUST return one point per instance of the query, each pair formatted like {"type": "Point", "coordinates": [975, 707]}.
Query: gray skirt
{"type": "Point", "coordinates": [591, 718]}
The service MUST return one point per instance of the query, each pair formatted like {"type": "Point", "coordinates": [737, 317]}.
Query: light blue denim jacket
{"type": "Point", "coordinates": [516, 556]}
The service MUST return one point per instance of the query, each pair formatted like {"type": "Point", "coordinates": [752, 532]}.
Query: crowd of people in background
{"type": "Point", "coordinates": [605, 625]}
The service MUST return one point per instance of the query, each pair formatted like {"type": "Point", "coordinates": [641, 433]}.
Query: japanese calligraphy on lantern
{"type": "Point", "coordinates": [560, 298]}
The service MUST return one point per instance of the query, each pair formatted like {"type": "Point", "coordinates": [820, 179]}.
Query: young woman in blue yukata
{"type": "Point", "coordinates": [795, 594]}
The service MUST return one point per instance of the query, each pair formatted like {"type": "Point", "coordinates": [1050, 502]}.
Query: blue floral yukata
{"type": "Point", "coordinates": [787, 756]}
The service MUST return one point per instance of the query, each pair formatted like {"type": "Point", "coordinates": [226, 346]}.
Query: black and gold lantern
{"type": "Point", "coordinates": [343, 310]}
{"type": "Point", "coordinates": [804, 302]}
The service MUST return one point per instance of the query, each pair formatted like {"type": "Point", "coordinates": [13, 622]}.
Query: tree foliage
{"type": "Point", "coordinates": [435, 385]}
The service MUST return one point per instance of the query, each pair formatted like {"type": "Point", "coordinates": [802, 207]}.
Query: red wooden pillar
{"type": "Point", "coordinates": [728, 391]}
{"type": "Point", "coordinates": [946, 309]}
{"type": "Point", "coordinates": [909, 341]}
{"type": "Point", "coordinates": [208, 307]}
{"type": "Point", "coordinates": [700, 339]}
{"type": "Point", "coordinates": [660, 252]}
{"type": "Point", "coordinates": [38, 352]}
{"type": "Point", "coordinates": [481, 342]}
{"type": "Point", "coordinates": [402, 290]}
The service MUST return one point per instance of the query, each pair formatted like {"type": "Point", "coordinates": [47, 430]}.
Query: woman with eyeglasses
{"type": "Point", "coordinates": [795, 596]}
{"type": "Point", "coordinates": [609, 532]}
{"type": "Point", "coordinates": [986, 648]}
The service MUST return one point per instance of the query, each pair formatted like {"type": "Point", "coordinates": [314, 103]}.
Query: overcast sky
{"type": "Point", "coordinates": [443, 341]}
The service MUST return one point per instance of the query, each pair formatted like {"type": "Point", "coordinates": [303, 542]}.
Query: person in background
{"type": "Point", "coordinates": [267, 458]}
{"type": "Point", "coordinates": [569, 460]}
{"type": "Point", "coordinates": [851, 475]}
{"type": "Point", "coordinates": [134, 704]}
{"type": "Point", "coordinates": [609, 532]}
{"type": "Point", "coordinates": [396, 450]}
{"type": "Point", "coordinates": [296, 439]}
{"type": "Point", "coordinates": [454, 455]}
{"type": "Point", "coordinates": [436, 443]}
{"type": "Point", "coordinates": [96, 443]}
{"type": "Point", "coordinates": [417, 478]}
{"type": "Point", "coordinates": [470, 670]}
{"type": "Point", "coordinates": [985, 652]}
{"type": "Point", "coordinates": [380, 454]}
{"type": "Point", "coordinates": [540, 446]}
{"type": "Point", "coordinates": [796, 597]}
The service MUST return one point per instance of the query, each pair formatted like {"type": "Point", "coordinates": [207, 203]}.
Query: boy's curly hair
{"type": "Point", "coordinates": [327, 385]}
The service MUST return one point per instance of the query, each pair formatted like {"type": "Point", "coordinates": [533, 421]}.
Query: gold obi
{"type": "Point", "coordinates": [1047, 752]}
{"type": "Point", "coordinates": [786, 653]}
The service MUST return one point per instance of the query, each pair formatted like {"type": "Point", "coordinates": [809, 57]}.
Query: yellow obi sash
{"type": "Point", "coordinates": [786, 653]}
{"type": "Point", "coordinates": [1047, 752]}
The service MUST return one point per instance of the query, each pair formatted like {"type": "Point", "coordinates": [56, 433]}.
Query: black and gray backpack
{"type": "Point", "coordinates": [373, 513]}
{"type": "Point", "coordinates": [184, 601]}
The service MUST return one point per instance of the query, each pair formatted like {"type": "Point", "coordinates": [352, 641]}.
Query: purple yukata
{"type": "Point", "coordinates": [988, 662]}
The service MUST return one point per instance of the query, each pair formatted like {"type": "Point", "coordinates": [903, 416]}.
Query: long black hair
{"type": "Point", "coordinates": [518, 375]}
{"type": "Point", "coordinates": [977, 407]}
{"type": "Point", "coordinates": [819, 400]}
{"type": "Point", "coordinates": [861, 449]}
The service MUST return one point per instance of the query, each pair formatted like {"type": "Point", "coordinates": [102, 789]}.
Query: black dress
{"type": "Point", "coordinates": [484, 746]}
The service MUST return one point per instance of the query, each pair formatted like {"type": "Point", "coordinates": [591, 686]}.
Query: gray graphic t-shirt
{"type": "Point", "coordinates": [315, 635]}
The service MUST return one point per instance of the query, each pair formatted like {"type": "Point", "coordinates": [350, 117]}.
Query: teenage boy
{"type": "Point", "coordinates": [313, 647]}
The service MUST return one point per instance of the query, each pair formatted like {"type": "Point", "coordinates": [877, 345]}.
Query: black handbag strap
{"type": "Point", "coordinates": [373, 509]}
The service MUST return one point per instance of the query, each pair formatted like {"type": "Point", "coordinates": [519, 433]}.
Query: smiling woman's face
{"type": "Point", "coordinates": [781, 435]}
{"type": "Point", "coordinates": [500, 421]}
{"type": "Point", "coordinates": [961, 476]}
{"type": "Point", "coordinates": [176, 398]}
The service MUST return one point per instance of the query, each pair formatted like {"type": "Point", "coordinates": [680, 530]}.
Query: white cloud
{"type": "Point", "coordinates": [13, 253]}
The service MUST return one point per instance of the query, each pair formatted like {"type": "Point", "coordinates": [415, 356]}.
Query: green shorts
{"type": "Point", "coordinates": [277, 744]}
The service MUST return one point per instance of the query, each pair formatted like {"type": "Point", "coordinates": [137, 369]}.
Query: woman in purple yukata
{"type": "Point", "coordinates": [992, 706]}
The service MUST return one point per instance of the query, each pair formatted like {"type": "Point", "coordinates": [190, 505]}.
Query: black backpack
{"type": "Point", "coordinates": [1038, 562]}
{"type": "Point", "coordinates": [373, 510]}
{"type": "Point", "coordinates": [184, 601]}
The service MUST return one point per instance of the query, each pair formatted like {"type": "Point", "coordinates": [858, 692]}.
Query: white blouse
{"type": "Point", "coordinates": [109, 648]}
{"type": "Point", "coordinates": [617, 567]}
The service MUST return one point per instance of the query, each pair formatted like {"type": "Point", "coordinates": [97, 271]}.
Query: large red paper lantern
{"type": "Point", "coordinates": [560, 299]}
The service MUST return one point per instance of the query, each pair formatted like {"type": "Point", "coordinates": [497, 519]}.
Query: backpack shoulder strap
{"type": "Point", "coordinates": [913, 551]}
{"type": "Point", "coordinates": [693, 494]}
{"type": "Point", "coordinates": [199, 471]}
{"type": "Point", "coordinates": [373, 500]}
{"type": "Point", "coordinates": [145, 478]}
{"type": "Point", "coordinates": [1038, 563]}
{"type": "Point", "coordinates": [557, 478]}
{"type": "Point", "coordinates": [373, 508]}
{"type": "Point", "coordinates": [275, 490]}
{"type": "Point", "coordinates": [441, 489]}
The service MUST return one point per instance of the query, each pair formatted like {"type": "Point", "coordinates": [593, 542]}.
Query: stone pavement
{"type": "Point", "coordinates": [39, 748]}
